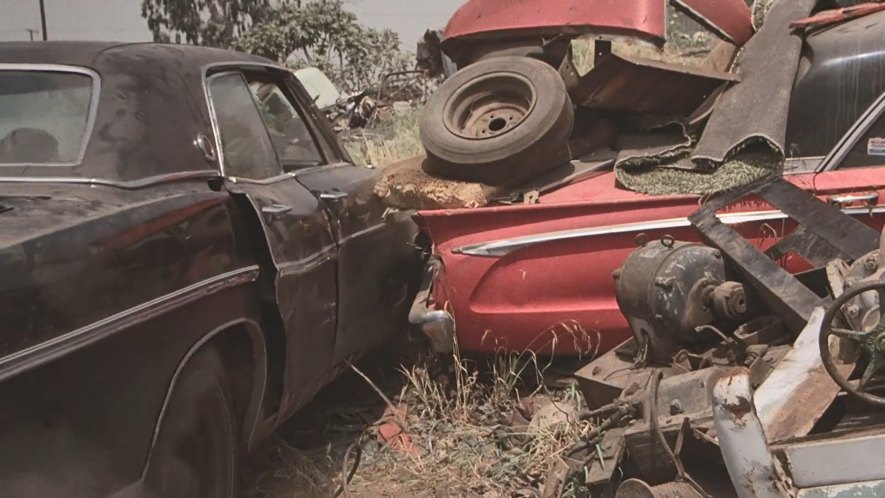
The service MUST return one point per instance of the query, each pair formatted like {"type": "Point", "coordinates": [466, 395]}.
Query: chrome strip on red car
{"type": "Point", "coordinates": [504, 247]}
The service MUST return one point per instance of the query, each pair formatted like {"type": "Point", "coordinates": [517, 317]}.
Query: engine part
{"type": "Point", "coordinates": [730, 300]}
{"type": "Point", "coordinates": [668, 289]}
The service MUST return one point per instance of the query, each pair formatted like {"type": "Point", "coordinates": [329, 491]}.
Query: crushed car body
{"type": "Point", "coordinates": [738, 368]}
{"type": "Point", "coordinates": [535, 260]}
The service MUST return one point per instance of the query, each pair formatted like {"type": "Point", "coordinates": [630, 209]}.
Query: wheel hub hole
{"type": "Point", "coordinates": [497, 124]}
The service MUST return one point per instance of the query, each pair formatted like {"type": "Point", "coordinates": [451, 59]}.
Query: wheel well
{"type": "Point", "coordinates": [243, 350]}
{"type": "Point", "coordinates": [237, 354]}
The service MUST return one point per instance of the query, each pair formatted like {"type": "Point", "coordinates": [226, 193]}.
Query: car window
{"type": "Point", "coordinates": [248, 151]}
{"type": "Point", "coordinates": [288, 130]}
{"type": "Point", "coordinates": [44, 116]}
{"type": "Point", "coordinates": [869, 150]}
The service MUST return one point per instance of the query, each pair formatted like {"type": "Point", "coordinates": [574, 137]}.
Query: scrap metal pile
{"type": "Point", "coordinates": [678, 96]}
{"type": "Point", "coordinates": [738, 368]}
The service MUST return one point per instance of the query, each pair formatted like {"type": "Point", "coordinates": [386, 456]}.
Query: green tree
{"type": "Point", "coordinates": [215, 23]}
{"type": "Point", "coordinates": [324, 34]}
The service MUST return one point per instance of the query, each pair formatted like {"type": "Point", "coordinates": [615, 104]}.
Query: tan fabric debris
{"type": "Point", "coordinates": [405, 185]}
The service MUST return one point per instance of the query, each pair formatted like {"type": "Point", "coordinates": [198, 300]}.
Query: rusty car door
{"type": "Point", "coordinates": [290, 233]}
{"type": "Point", "coordinates": [373, 268]}
{"type": "Point", "coordinates": [374, 265]}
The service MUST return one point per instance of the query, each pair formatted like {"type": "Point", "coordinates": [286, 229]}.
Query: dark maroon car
{"type": "Point", "coordinates": [187, 256]}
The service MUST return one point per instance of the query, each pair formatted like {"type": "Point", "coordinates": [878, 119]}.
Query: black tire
{"type": "Point", "coordinates": [196, 453]}
{"type": "Point", "coordinates": [499, 121]}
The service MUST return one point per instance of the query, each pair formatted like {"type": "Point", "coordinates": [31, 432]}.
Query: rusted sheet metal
{"type": "Point", "coordinates": [490, 19]}
{"type": "Point", "coordinates": [786, 296]}
{"type": "Point", "coordinates": [626, 83]}
{"type": "Point", "coordinates": [731, 18]}
{"type": "Point", "coordinates": [798, 381]}
{"type": "Point", "coordinates": [836, 16]}
{"type": "Point", "coordinates": [742, 440]}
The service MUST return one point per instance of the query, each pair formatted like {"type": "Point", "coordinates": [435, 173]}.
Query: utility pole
{"type": "Point", "coordinates": [43, 19]}
{"type": "Point", "coordinates": [31, 32]}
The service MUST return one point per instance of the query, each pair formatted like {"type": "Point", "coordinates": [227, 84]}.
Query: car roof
{"type": "Point", "coordinates": [151, 107]}
{"type": "Point", "coordinates": [95, 54]}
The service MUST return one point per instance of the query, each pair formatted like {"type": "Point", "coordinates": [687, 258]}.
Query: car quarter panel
{"type": "Point", "coordinates": [515, 276]}
{"type": "Point", "coordinates": [82, 426]}
{"type": "Point", "coordinates": [103, 293]}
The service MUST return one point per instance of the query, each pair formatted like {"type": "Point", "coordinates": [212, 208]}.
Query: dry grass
{"type": "Point", "coordinates": [393, 136]}
{"type": "Point", "coordinates": [467, 422]}
{"type": "Point", "coordinates": [460, 417]}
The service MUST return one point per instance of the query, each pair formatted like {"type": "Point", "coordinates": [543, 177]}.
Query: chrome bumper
{"type": "Point", "coordinates": [437, 325]}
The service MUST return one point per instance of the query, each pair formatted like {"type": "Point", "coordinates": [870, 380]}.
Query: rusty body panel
{"type": "Point", "coordinates": [798, 380]}
{"type": "Point", "coordinates": [825, 232]}
{"type": "Point", "coordinates": [629, 83]}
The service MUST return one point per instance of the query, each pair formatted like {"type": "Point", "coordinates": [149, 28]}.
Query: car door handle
{"type": "Point", "coordinates": [333, 195]}
{"type": "Point", "coordinates": [869, 198]}
{"type": "Point", "coordinates": [275, 209]}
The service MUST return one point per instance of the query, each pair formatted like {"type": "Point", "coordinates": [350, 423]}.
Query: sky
{"type": "Point", "coordinates": [120, 20]}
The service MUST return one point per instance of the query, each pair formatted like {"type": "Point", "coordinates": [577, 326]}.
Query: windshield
{"type": "Point", "coordinates": [44, 117]}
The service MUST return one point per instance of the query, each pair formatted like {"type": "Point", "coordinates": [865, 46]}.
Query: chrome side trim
{"type": "Point", "coordinates": [127, 185]}
{"type": "Point", "coordinates": [93, 103]}
{"type": "Point", "coordinates": [309, 263]}
{"type": "Point", "coordinates": [266, 181]}
{"type": "Point", "coordinates": [503, 247]}
{"type": "Point", "coordinates": [360, 233]}
{"type": "Point", "coordinates": [45, 352]}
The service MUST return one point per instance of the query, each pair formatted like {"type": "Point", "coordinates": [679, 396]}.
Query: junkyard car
{"type": "Point", "coordinates": [187, 256]}
{"type": "Point", "coordinates": [512, 275]}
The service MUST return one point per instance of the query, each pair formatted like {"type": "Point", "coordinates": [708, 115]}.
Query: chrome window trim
{"type": "Point", "coordinates": [93, 104]}
{"type": "Point", "coordinates": [840, 151]}
{"type": "Point", "coordinates": [236, 67]}
{"type": "Point", "coordinates": [503, 247]}
{"type": "Point", "coordinates": [126, 185]}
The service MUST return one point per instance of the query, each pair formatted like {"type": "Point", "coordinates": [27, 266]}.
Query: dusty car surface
{"type": "Point", "coordinates": [513, 275]}
{"type": "Point", "coordinates": [187, 256]}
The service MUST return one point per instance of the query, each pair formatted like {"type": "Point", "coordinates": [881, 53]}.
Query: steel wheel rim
{"type": "Point", "coordinates": [490, 106]}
